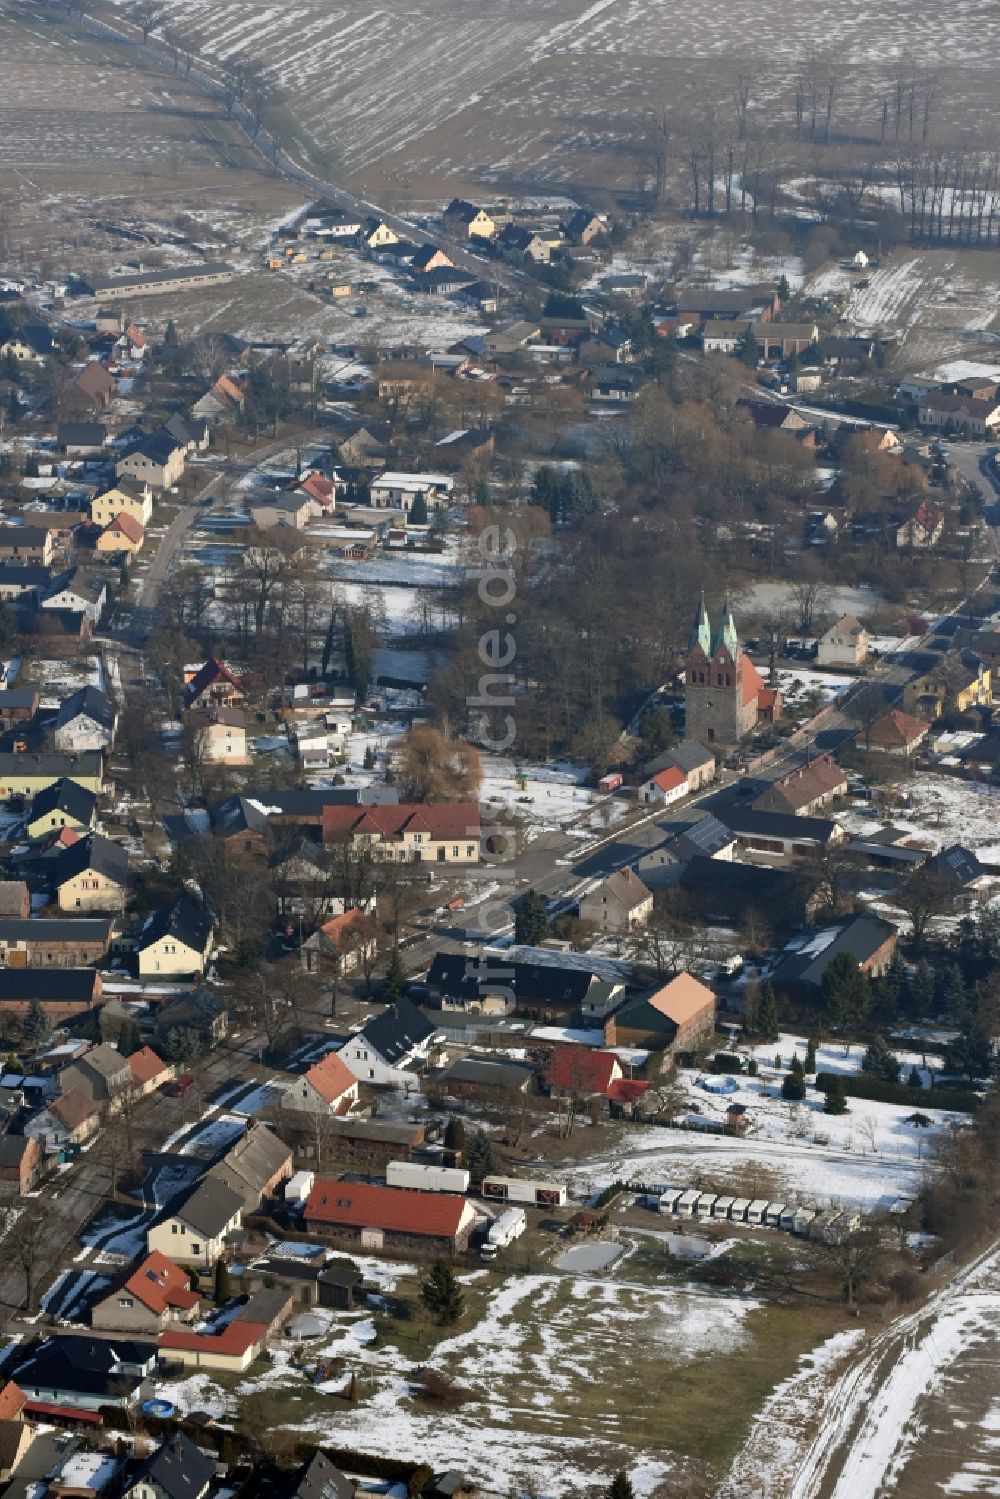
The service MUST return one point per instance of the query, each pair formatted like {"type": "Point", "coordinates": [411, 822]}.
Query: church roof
{"type": "Point", "coordinates": [725, 634]}
{"type": "Point", "coordinates": [701, 630]}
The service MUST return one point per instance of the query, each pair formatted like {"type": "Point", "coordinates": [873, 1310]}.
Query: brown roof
{"type": "Point", "coordinates": [127, 525]}
{"type": "Point", "coordinates": [204, 718]}
{"type": "Point", "coordinates": [394, 1209]}
{"type": "Point", "coordinates": [802, 786]}
{"type": "Point", "coordinates": [458, 820]}
{"type": "Point", "coordinates": [331, 1078]}
{"type": "Point", "coordinates": [12, 1437]}
{"type": "Point", "coordinates": [73, 1108]}
{"type": "Point", "coordinates": [683, 999]}
{"type": "Point", "coordinates": [895, 729]}
{"type": "Point", "coordinates": [144, 1065]}
{"type": "Point", "coordinates": [351, 930]}
{"type": "Point", "coordinates": [626, 886]}
{"type": "Point", "coordinates": [158, 1283]}
{"type": "Point", "coordinates": [94, 379]}
{"type": "Point", "coordinates": [12, 1399]}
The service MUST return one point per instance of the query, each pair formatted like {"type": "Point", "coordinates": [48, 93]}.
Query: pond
{"type": "Point", "coordinates": [587, 1257]}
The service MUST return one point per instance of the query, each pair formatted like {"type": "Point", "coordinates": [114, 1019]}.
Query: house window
{"type": "Point", "coordinates": [454, 851]}
{"type": "Point", "coordinates": [125, 1301]}
{"type": "Point", "coordinates": [371, 1072]}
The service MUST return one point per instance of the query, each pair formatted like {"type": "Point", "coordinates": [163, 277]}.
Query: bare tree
{"type": "Point", "coordinates": [809, 599]}
{"type": "Point", "coordinates": [29, 1244]}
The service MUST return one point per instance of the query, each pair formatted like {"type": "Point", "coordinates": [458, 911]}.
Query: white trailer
{"type": "Point", "coordinates": [773, 1215]}
{"type": "Point", "coordinates": [757, 1211]}
{"type": "Point", "coordinates": [542, 1194]}
{"type": "Point", "coordinates": [426, 1178]}
{"type": "Point", "coordinates": [668, 1200]}
{"type": "Point", "coordinates": [510, 1225]}
{"type": "Point", "coordinates": [298, 1187]}
{"type": "Point", "coordinates": [738, 1211]}
{"type": "Point", "coordinates": [722, 1207]}
{"type": "Point", "coordinates": [684, 1206]}
{"type": "Point", "coordinates": [802, 1220]}
{"type": "Point", "coordinates": [703, 1207]}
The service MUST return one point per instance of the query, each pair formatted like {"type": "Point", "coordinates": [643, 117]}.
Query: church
{"type": "Point", "coordinates": [725, 696]}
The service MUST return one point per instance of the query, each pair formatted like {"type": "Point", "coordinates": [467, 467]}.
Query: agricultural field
{"type": "Point", "coordinates": [535, 92]}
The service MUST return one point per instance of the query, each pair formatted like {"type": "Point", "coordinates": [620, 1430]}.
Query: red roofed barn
{"type": "Point", "coordinates": [433, 1223]}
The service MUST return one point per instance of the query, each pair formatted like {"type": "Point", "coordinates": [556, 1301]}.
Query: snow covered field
{"type": "Point", "coordinates": [944, 810]}
{"type": "Point", "coordinates": [548, 796]}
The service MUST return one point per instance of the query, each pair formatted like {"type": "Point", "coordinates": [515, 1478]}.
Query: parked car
{"type": "Point", "coordinates": [180, 1085]}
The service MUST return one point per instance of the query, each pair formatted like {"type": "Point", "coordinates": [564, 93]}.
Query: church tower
{"type": "Point", "coordinates": [720, 683]}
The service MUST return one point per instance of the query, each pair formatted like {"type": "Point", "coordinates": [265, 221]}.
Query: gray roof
{"type": "Point", "coordinates": [104, 1060]}
{"type": "Point", "coordinates": [256, 1157]}
{"type": "Point", "coordinates": [179, 1469]}
{"type": "Point", "coordinates": [486, 1072]}
{"type": "Point", "coordinates": [96, 853]}
{"type": "Point", "coordinates": [397, 1031]}
{"type": "Point", "coordinates": [319, 1479]}
{"type": "Point", "coordinates": [210, 1207]}
{"type": "Point", "coordinates": [101, 284]}
{"type": "Point", "coordinates": [89, 702]}
{"type": "Point", "coordinates": [806, 960]}
{"type": "Point", "coordinates": [14, 766]}
{"type": "Point", "coordinates": [84, 929]}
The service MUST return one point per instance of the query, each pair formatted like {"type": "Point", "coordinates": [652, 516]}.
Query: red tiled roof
{"type": "Point", "coordinates": [144, 1065]}
{"type": "Point", "coordinates": [752, 681]}
{"type": "Point", "coordinates": [234, 1339]}
{"type": "Point", "coordinates": [458, 820]}
{"type": "Point", "coordinates": [580, 1068]}
{"type": "Point", "coordinates": [357, 1205]}
{"type": "Point", "coordinates": [317, 486]}
{"type": "Point", "coordinates": [331, 1078]}
{"type": "Point", "coordinates": [767, 698]}
{"type": "Point", "coordinates": [127, 525]}
{"type": "Point", "coordinates": [12, 1400]}
{"type": "Point", "coordinates": [63, 1412]}
{"type": "Point", "coordinates": [73, 1108]}
{"type": "Point", "coordinates": [212, 671]}
{"type": "Point", "coordinates": [670, 779]}
{"type": "Point", "coordinates": [158, 1283]}
{"type": "Point", "coordinates": [895, 729]}
{"type": "Point", "coordinates": [349, 931]}
{"type": "Point", "coordinates": [626, 1090]}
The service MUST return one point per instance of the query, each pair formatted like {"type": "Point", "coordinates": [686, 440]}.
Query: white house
{"type": "Point", "coordinates": [843, 644]}
{"type": "Point", "coordinates": [195, 1232]}
{"type": "Point", "coordinates": [87, 720]}
{"type": "Point", "coordinates": [665, 787]}
{"type": "Point", "coordinates": [392, 1049]}
{"type": "Point", "coordinates": [398, 491]}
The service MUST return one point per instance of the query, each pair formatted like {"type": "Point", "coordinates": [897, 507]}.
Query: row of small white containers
{"type": "Point", "coordinates": [756, 1211]}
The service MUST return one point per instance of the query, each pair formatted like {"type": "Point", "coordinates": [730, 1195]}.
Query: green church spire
{"type": "Point", "coordinates": [701, 630]}
{"type": "Point", "coordinates": [725, 635]}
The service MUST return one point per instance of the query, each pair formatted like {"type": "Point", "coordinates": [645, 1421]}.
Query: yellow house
{"type": "Point", "coordinates": [195, 1233]}
{"type": "Point", "coordinates": [958, 682]}
{"type": "Point", "coordinates": [64, 804]}
{"type": "Point", "coordinates": [124, 499]}
{"type": "Point", "coordinates": [27, 774]}
{"type": "Point", "coordinates": [378, 235]}
{"type": "Point", "coordinates": [175, 940]}
{"type": "Point", "coordinates": [220, 735]}
{"type": "Point", "coordinates": [91, 875]}
{"type": "Point", "coordinates": [123, 534]}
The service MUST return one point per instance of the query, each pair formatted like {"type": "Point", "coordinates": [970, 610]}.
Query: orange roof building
{"type": "Point", "coordinates": [675, 1017]}
{"type": "Point", "coordinates": [387, 1217]}
{"type": "Point", "coordinates": [329, 1087]}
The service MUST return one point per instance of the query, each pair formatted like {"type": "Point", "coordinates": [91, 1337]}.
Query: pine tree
{"type": "Point", "coordinates": [36, 1024]}
{"type": "Point", "coordinates": [395, 981]}
{"type": "Point", "coordinates": [441, 1294]}
{"type": "Point", "coordinates": [844, 990]}
{"type": "Point", "coordinates": [129, 1039]}
{"type": "Point", "coordinates": [915, 1080]}
{"type": "Point", "coordinates": [768, 1023]}
{"type": "Point", "coordinates": [531, 919]}
{"type": "Point", "coordinates": [921, 996]}
{"type": "Point", "coordinates": [170, 335]}
{"type": "Point", "coordinates": [369, 760]}
{"type": "Point", "coordinates": [418, 511]}
{"type": "Point", "coordinates": [480, 1157]}
{"type": "Point", "coordinates": [879, 1061]}
{"type": "Point", "coordinates": [620, 1487]}
{"type": "Point", "coordinates": [222, 1290]}
{"type": "Point", "coordinates": [811, 1055]}
{"type": "Point", "coordinates": [836, 1096]}
{"type": "Point", "coordinates": [748, 349]}
{"type": "Point", "coordinates": [793, 1084]}
{"type": "Point", "coordinates": [454, 1136]}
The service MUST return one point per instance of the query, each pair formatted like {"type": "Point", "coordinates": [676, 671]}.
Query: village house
{"type": "Point", "coordinates": [376, 235]}
{"type": "Point", "coordinates": [923, 529]}
{"type": "Point", "coordinates": [396, 491]}
{"type": "Point", "coordinates": [102, 1074]}
{"type": "Point", "coordinates": [697, 763]}
{"type": "Point", "coordinates": [959, 414]}
{"type": "Point", "coordinates": [214, 683]}
{"type": "Point", "coordinates": [662, 865]}
{"type": "Point", "coordinates": [157, 460]}
{"type": "Point", "coordinates": [465, 220]}
{"type": "Point", "coordinates": [342, 944]}
{"type": "Point", "coordinates": [194, 1232]}
{"type": "Point", "coordinates": [70, 1119]}
{"type": "Point", "coordinates": [584, 227]}
{"type": "Point", "coordinates": [677, 1017]}
{"type": "Point", "coordinates": [149, 1071]}
{"type": "Point", "coordinates": [121, 538]}
{"type": "Point", "coordinates": [194, 433]}
{"type": "Point", "coordinates": [78, 592]}
{"type": "Point", "coordinates": [392, 1049]}
{"type": "Point", "coordinates": [539, 983]}
{"type": "Point", "coordinates": [780, 835]}
{"type": "Point", "coordinates": [20, 1164]}
{"type": "Point", "coordinates": [81, 439]}
{"type": "Point", "coordinates": [618, 904]}
{"type": "Point", "coordinates": [64, 804]}
{"type": "Point", "coordinates": [869, 940]}
{"type": "Point", "coordinates": [293, 510]}
{"type": "Point", "coordinates": [224, 399]}
{"type": "Point", "coordinates": [31, 344]}
{"type": "Point", "coordinates": [93, 389]}
{"type": "Point", "coordinates": [25, 774]}
{"type": "Point", "coordinates": [666, 786]}
{"type": "Point", "coordinates": [44, 942]}
{"type": "Point", "coordinates": [127, 497]}
{"type": "Point", "coordinates": [894, 733]}
{"type": "Point", "coordinates": [233, 1347]}
{"type": "Point", "coordinates": [958, 681]}
{"type": "Point", "coordinates": [175, 940]}
{"type": "Point", "coordinates": [390, 1218]}
{"type": "Point", "coordinates": [91, 875]}
{"type": "Point", "coordinates": [203, 1011]}
{"type": "Point", "coordinates": [87, 720]}
{"type": "Point", "coordinates": [843, 644]}
{"type": "Point", "coordinates": [156, 1294]}
{"type": "Point", "coordinates": [431, 833]}
{"type": "Point", "coordinates": [18, 705]}
{"type": "Point", "coordinates": [218, 735]}
{"type": "Point", "coordinates": [81, 1374]}
{"type": "Point", "coordinates": [579, 1072]}
{"type": "Point", "coordinates": [697, 305]}
{"type": "Point", "coordinates": [63, 993]}
{"type": "Point", "coordinates": [805, 790]}
{"type": "Point", "coordinates": [517, 244]}
{"type": "Point", "coordinates": [26, 545]}
{"type": "Point", "coordinates": [176, 1470]}
{"type": "Point", "coordinates": [329, 1087]}
{"type": "Point", "coordinates": [254, 1167]}
{"type": "Point", "coordinates": [23, 583]}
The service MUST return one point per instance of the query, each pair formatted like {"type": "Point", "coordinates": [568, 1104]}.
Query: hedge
{"type": "Point", "coordinates": [856, 1085]}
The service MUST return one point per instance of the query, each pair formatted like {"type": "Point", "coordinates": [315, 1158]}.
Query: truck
{"type": "Point", "coordinates": [503, 1231]}
{"type": "Point", "coordinates": [426, 1178]}
{"type": "Point", "coordinates": [543, 1194]}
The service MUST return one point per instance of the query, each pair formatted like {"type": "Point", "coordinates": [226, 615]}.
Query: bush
{"type": "Point", "coordinates": [793, 1087]}
{"type": "Point", "coordinates": [960, 1100]}
{"type": "Point", "coordinates": [728, 1062]}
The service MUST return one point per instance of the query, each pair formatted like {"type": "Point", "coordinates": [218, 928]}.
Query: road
{"type": "Point", "coordinates": [262, 142]}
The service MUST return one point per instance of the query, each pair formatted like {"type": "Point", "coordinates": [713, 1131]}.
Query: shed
{"type": "Point", "coordinates": [298, 1187]}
